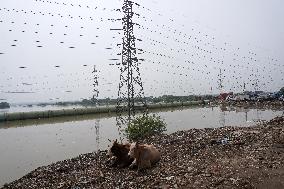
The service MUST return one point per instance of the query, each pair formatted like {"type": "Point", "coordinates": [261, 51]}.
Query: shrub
{"type": "Point", "coordinates": [144, 126]}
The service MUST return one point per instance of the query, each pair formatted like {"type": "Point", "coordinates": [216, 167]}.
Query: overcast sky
{"type": "Point", "coordinates": [186, 44]}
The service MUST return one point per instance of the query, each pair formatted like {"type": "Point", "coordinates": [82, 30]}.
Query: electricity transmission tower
{"type": "Point", "coordinates": [95, 101]}
{"type": "Point", "coordinates": [220, 81]}
{"type": "Point", "coordinates": [95, 85]}
{"type": "Point", "coordinates": [130, 93]}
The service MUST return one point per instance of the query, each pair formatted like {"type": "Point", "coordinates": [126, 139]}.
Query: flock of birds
{"type": "Point", "coordinates": [36, 30]}
{"type": "Point", "coordinates": [172, 60]}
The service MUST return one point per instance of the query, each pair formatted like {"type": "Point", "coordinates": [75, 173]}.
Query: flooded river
{"type": "Point", "coordinates": [27, 145]}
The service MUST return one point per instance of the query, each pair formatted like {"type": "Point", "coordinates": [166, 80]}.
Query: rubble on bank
{"type": "Point", "coordinates": [227, 157]}
{"type": "Point", "coordinates": [273, 105]}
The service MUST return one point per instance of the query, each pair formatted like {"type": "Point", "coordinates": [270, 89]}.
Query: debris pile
{"type": "Point", "coordinates": [227, 157]}
{"type": "Point", "coordinates": [274, 105]}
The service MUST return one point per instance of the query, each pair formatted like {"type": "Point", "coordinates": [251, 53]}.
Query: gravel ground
{"type": "Point", "coordinates": [228, 157]}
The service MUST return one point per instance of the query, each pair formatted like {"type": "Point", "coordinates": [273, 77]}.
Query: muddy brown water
{"type": "Point", "coordinates": [27, 145]}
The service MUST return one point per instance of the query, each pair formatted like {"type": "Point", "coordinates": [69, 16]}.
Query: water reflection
{"type": "Point", "coordinates": [222, 119]}
{"type": "Point", "coordinates": [97, 128]}
{"type": "Point", "coordinates": [250, 114]}
{"type": "Point", "coordinates": [54, 120]}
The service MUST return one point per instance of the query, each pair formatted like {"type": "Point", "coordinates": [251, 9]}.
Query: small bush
{"type": "Point", "coordinates": [144, 126]}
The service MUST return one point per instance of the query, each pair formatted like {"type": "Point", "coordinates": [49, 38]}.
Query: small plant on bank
{"type": "Point", "coordinates": [144, 126]}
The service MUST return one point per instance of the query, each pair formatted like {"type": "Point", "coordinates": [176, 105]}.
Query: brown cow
{"type": "Point", "coordinates": [144, 155]}
{"type": "Point", "coordinates": [120, 154]}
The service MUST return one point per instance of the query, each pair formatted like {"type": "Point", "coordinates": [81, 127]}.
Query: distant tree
{"type": "Point", "coordinates": [282, 91]}
{"type": "Point", "coordinates": [4, 105]}
{"type": "Point", "coordinates": [86, 101]}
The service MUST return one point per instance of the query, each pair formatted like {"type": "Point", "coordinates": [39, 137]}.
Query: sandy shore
{"type": "Point", "coordinates": [252, 157]}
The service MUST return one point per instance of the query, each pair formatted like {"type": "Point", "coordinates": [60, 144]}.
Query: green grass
{"type": "Point", "coordinates": [144, 126]}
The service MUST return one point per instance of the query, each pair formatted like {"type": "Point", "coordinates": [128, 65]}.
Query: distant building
{"type": "Point", "coordinates": [223, 96]}
{"type": "Point", "coordinates": [242, 97]}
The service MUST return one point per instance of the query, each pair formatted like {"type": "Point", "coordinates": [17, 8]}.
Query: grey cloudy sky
{"type": "Point", "coordinates": [185, 43]}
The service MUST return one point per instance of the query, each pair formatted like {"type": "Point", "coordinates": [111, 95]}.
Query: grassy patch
{"type": "Point", "coordinates": [144, 126]}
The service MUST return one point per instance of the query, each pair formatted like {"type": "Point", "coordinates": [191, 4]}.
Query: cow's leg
{"type": "Point", "coordinates": [133, 164]}
{"type": "Point", "coordinates": [115, 162]}
{"type": "Point", "coordinates": [147, 164]}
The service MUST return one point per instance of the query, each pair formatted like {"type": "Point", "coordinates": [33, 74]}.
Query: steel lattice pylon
{"type": "Point", "coordinates": [95, 85]}
{"type": "Point", "coordinates": [95, 100]}
{"type": "Point", "coordinates": [130, 93]}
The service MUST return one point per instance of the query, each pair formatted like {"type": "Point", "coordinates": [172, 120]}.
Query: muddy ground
{"type": "Point", "coordinates": [228, 157]}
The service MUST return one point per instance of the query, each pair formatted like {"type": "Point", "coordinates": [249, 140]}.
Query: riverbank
{"type": "Point", "coordinates": [252, 157]}
{"type": "Point", "coordinates": [71, 112]}
{"type": "Point", "coordinates": [16, 116]}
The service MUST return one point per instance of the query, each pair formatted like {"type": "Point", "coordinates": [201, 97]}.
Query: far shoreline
{"type": "Point", "coordinates": [15, 116]}
{"type": "Point", "coordinates": [111, 109]}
